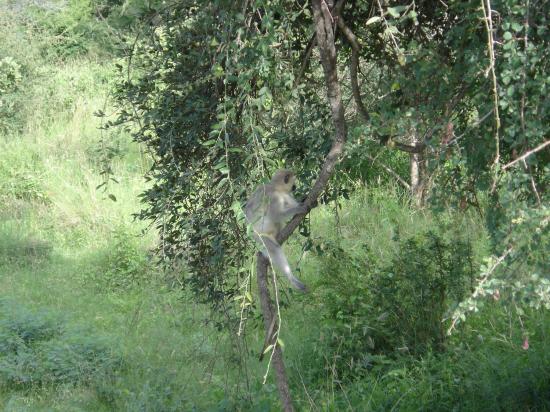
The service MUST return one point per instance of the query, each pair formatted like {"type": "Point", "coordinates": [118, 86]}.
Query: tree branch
{"type": "Point", "coordinates": [305, 60]}
{"type": "Point", "coordinates": [526, 155]}
{"type": "Point", "coordinates": [355, 89]}
{"type": "Point", "coordinates": [269, 319]}
{"type": "Point", "coordinates": [327, 50]}
{"type": "Point", "coordinates": [392, 172]}
{"type": "Point", "coordinates": [419, 148]}
{"type": "Point", "coordinates": [354, 64]}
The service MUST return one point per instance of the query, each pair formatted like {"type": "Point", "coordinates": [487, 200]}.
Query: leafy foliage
{"type": "Point", "coordinates": [10, 81]}
{"type": "Point", "coordinates": [373, 309]}
{"type": "Point", "coordinates": [215, 118]}
{"type": "Point", "coordinates": [36, 349]}
{"type": "Point", "coordinates": [244, 93]}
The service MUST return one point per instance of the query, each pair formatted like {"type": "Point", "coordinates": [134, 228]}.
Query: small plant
{"type": "Point", "coordinates": [24, 186]}
{"type": "Point", "coordinates": [16, 246]}
{"type": "Point", "coordinates": [10, 81]}
{"type": "Point", "coordinates": [10, 75]}
{"type": "Point", "coordinates": [124, 266]}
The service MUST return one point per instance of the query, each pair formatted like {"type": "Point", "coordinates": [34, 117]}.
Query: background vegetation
{"type": "Point", "coordinates": [92, 319]}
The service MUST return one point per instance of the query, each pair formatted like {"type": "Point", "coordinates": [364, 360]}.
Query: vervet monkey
{"type": "Point", "coordinates": [267, 209]}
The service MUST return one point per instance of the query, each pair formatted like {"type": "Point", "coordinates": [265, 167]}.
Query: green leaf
{"type": "Point", "coordinates": [516, 27]}
{"type": "Point", "coordinates": [396, 11]}
{"type": "Point", "coordinates": [373, 20]}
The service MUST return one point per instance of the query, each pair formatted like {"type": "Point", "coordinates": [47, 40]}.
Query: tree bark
{"type": "Point", "coordinates": [418, 174]}
{"type": "Point", "coordinates": [269, 314]}
{"type": "Point", "coordinates": [327, 50]}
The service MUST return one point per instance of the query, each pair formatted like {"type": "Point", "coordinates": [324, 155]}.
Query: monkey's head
{"type": "Point", "coordinates": [283, 180]}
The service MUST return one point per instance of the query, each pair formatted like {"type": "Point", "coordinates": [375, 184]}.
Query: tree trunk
{"type": "Point", "coordinates": [268, 315]}
{"type": "Point", "coordinates": [418, 175]}
{"type": "Point", "coordinates": [327, 51]}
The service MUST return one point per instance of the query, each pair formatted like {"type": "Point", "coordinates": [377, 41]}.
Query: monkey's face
{"type": "Point", "coordinates": [284, 180]}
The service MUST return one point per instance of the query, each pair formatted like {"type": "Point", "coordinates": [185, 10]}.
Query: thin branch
{"type": "Point", "coordinates": [533, 184]}
{"type": "Point", "coordinates": [488, 19]}
{"type": "Point", "coordinates": [390, 171]}
{"type": "Point", "coordinates": [305, 60]}
{"type": "Point", "coordinates": [354, 64]}
{"type": "Point", "coordinates": [482, 281]}
{"type": "Point", "coordinates": [269, 316]}
{"type": "Point", "coordinates": [527, 154]}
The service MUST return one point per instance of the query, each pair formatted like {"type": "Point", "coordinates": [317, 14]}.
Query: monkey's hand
{"type": "Point", "coordinates": [302, 208]}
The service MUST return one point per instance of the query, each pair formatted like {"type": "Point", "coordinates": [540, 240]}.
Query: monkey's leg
{"type": "Point", "coordinates": [279, 261]}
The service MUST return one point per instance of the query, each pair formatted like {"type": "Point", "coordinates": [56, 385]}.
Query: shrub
{"type": "Point", "coordinates": [414, 293]}
{"type": "Point", "coordinates": [27, 328]}
{"type": "Point", "coordinates": [37, 349]}
{"type": "Point", "coordinates": [373, 310]}
{"type": "Point", "coordinates": [124, 266]}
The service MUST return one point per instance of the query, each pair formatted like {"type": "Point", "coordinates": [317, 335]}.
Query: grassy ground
{"type": "Point", "coordinates": [88, 323]}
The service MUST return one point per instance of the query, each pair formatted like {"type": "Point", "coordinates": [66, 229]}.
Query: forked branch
{"type": "Point", "coordinates": [354, 69]}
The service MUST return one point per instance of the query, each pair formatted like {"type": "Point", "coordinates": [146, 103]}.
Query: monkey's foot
{"type": "Point", "coordinates": [299, 285]}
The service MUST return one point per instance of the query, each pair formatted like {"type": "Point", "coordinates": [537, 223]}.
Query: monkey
{"type": "Point", "coordinates": [267, 209]}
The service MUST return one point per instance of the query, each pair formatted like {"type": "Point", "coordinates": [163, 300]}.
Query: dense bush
{"type": "Point", "coordinates": [37, 349]}
{"type": "Point", "coordinates": [413, 294]}
{"type": "Point", "coordinates": [372, 309]}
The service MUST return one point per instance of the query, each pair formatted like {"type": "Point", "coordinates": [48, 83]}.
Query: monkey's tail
{"type": "Point", "coordinates": [278, 260]}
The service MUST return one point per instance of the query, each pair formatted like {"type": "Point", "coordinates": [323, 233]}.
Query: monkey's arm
{"type": "Point", "coordinates": [289, 213]}
{"type": "Point", "coordinates": [288, 207]}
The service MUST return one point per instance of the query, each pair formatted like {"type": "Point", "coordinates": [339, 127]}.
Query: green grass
{"type": "Point", "coordinates": [76, 273]}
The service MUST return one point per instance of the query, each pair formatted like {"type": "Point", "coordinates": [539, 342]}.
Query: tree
{"type": "Point", "coordinates": [224, 92]}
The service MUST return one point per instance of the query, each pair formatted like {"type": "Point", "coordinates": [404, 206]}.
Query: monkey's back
{"type": "Point", "coordinates": [256, 205]}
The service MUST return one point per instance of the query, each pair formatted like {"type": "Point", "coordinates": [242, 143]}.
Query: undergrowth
{"type": "Point", "coordinates": [37, 349]}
